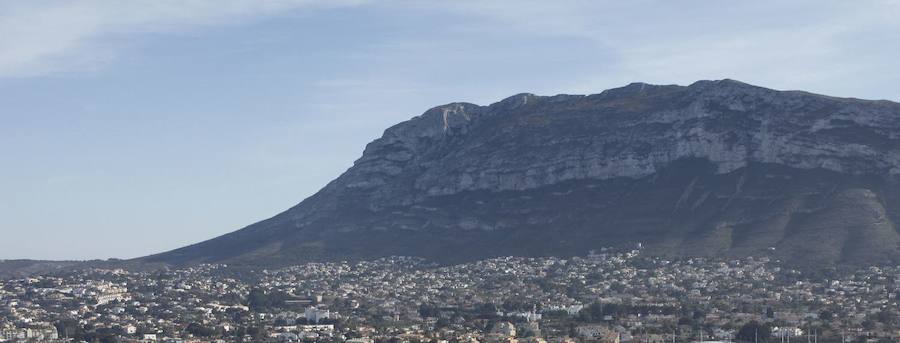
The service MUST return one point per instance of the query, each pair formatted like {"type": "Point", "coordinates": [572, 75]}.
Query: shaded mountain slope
{"type": "Point", "coordinates": [717, 168]}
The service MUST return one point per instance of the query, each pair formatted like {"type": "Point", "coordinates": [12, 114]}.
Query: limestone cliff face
{"type": "Point", "coordinates": [450, 175]}
{"type": "Point", "coordinates": [528, 141]}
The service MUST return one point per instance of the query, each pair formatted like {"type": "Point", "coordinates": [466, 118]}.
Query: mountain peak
{"type": "Point", "coordinates": [726, 86]}
{"type": "Point", "coordinates": [714, 168]}
{"type": "Point", "coordinates": [721, 82]}
{"type": "Point", "coordinates": [635, 89]}
{"type": "Point", "coordinates": [515, 101]}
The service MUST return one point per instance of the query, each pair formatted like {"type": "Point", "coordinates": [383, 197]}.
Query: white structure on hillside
{"type": "Point", "coordinates": [314, 315]}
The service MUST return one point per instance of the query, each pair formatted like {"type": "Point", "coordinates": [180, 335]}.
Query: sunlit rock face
{"type": "Point", "coordinates": [714, 168]}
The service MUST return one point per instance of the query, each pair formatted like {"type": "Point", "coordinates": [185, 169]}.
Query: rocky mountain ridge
{"type": "Point", "coordinates": [717, 167]}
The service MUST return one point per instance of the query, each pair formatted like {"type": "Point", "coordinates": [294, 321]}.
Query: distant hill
{"type": "Point", "coordinates": [12, 269]}
{"type": "Point", "coordinates": [717, 168]}
{"type": "Point", "coordinates": [20, 268]}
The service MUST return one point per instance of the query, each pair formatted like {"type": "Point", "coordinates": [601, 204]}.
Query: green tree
{"type": "Point", "coordinates": [886, 317]}
{"type": "Point", "coordinates": [257, 300]}
{"type": "Point", "coordinates": [754, 332]}
{"type": "Point", "coordinates": [868, 324]}
{"type": "Point", "coordinates": [200, 330]}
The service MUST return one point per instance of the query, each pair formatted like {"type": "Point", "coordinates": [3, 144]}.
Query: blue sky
{"type": "Point", "coordinates": [134, 127]}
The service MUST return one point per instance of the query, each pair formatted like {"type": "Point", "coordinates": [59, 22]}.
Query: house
{"type": "Point", "coordinates": [602, 333]}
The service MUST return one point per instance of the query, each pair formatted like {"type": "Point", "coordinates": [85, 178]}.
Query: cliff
{"type": "Point", "coordinates": [717, 168]}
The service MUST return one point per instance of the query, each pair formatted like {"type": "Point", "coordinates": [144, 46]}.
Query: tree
{"type": "Point", "coordinates": [617, 287]}
{"type": "Point", "coordinates": [442, 323]}
{"type": "Point", "coordinates": [426, 310]}
{"type": "Point", "coordinates": [826, 315]}
{"type": "Point", "coordinates": [527, 333]}
{"type": "Point", "coordinates": [592, 313]}
{"type": "Point", "coordinates": [68, 328]}
{"type": "Point", "coordinates": [257, 300]}
{"type": "Point", "coordinates": [698, 315]}
{"type": "Point", "coordinates": [886, 317]}
{"type": "Point", "coordinates": [868, 324]}
{"type": "Point", "coordinates": [200, 330]}
{"type": "Point", "coordinates": [486, 308]}
{"type": "Point", "coordinates": [753, 332]}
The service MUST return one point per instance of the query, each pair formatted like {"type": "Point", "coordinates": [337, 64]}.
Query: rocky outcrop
{"type": "Point", "coordinates": [633, 132]}
{"type": "Point", "coordinates": [448, 177]}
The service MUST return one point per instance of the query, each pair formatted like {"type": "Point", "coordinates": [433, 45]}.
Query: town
{"type": "Point", "coordinates": [611, 295]}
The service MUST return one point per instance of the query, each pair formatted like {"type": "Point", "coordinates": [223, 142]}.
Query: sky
{"type": "Point", "coordinates": [134, 127]}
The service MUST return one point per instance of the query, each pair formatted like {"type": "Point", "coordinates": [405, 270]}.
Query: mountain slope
{"type": "Point", "coordinates": [714, 168]}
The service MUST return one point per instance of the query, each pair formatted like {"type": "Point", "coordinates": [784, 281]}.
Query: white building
{"type": "Point", "coordinates": [314, 315]}
{"type": "Point", "coordinates": [113, 293]}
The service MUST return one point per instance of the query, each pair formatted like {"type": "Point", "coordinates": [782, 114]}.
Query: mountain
{"type": "Point", "coordinates": [717, 168]}
{"type": "Point", "coordinates": [19, 268]}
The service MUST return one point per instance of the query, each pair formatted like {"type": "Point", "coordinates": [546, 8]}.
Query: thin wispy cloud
{"type": "Point", "coordinates": [804, 44]}
{"type": "Point", "coordinates": [46, 36]}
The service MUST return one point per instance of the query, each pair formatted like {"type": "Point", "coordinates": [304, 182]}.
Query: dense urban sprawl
{"type": "Point", "coordinates": [608, 296]}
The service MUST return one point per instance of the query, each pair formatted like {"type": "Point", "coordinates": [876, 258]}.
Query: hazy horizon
{"type": "Point", "coordinates": [135, 128]}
